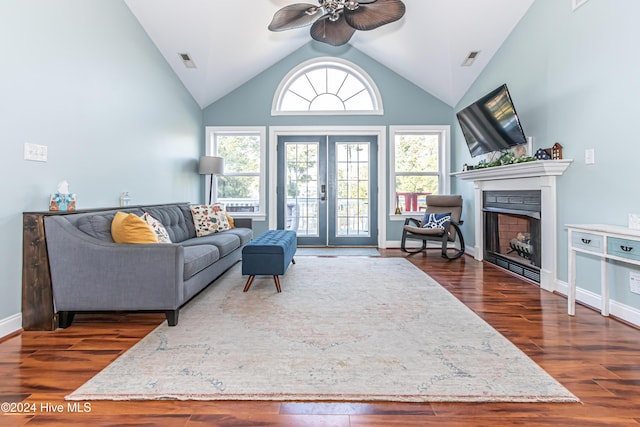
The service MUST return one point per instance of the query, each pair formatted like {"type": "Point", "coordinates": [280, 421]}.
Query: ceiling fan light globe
{"type": "Point", "coordinates": [312, 10]}
{"type": "Point", "coordinates": [352, 5]}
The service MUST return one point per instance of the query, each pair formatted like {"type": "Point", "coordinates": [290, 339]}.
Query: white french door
{"type": "Point", "coordinates": [327, 189]}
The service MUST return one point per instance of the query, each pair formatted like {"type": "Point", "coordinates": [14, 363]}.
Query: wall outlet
{"type": "Point", "coordinates": [634, 282]}
{"type": "Point", "coordinates": [634, 221]}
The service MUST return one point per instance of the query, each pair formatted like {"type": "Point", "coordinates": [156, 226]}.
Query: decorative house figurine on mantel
{"type": "Point", "coordinates": [556, 152]}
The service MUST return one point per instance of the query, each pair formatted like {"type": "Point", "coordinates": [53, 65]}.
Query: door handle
{"type": "Point", "coordinates": [323, 192]}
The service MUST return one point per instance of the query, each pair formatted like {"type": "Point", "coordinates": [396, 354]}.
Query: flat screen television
{"type": "Point", "coordinates": [491, 123]}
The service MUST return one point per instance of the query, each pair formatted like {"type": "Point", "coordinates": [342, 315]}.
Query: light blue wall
{"type": "Point", "coordinates": [574, 77]}
{"type": "Point", "coordinates": [404, 103]}
{"type": "Point", "coordinates": [83, 78]}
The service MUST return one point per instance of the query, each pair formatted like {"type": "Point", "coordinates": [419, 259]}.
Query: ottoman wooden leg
{"type": "Point", "coordinates": [249, 282]}
{"type": "Point", "coordinates": [277, 280]}
{"type": "Point", "coordinates": [293, 261]}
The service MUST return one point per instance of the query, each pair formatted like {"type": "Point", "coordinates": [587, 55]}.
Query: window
{"type": "Point", "coordinates": [327, 86]}
{"type": "Point", "coordinates": [241, 188]}
{"type": "Point", "coordinates": [419, 159]}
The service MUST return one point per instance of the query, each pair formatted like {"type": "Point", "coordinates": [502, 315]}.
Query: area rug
{"type": "Point", "coordinates": [337, 252]}
{"type": "Point", "coordinates": [343, 329]}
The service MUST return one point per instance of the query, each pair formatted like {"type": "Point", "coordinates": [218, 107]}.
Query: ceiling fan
{"type": "Point", "coordinates": [335, 21]}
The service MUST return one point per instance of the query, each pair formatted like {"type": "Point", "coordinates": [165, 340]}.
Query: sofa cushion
{"type": "Point", "coordinates": [225, 241]}
{"type": "Point", "coordinates": [245, 234]}
{"type": "Point", "coordinates": [97, 226]}
{"type": "Point", "coordinates": [197, 258]}
{"type": "Point", "coordinates": [209, 219]}
{"type": "Point", "coordinates": [173, 218]}
{"type": "Point", "coordinates": [130, 228]}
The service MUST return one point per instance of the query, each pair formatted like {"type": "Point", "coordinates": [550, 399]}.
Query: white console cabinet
{"type": "Point", "coordinates": [609, 242]}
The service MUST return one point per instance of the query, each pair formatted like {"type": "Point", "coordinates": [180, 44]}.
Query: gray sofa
{"type": "Point", "coordinates": [89, 272]}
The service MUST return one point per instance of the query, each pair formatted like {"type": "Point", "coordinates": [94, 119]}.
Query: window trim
{"type": "Point", "coordinates": [210, 150]}
{"type": "Point", "coordinates": [444, 154]}
{"type": "Point", "coordinates": [315, 63]}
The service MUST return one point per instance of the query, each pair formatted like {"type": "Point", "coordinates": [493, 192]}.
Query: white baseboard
{"type": "Point", "coordinates": [594, 301]}
{"type": "Point", "coordinates": [10, 324]}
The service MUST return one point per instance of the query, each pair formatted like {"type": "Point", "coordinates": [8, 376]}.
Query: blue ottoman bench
{"type": "Point", "coordinates": [269, 254]}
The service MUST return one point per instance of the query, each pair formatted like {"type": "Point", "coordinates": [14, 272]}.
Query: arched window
{"type": "Point", "coordinates": [327, 86]}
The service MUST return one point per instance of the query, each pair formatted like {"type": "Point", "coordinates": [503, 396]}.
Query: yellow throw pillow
{"type": "Point", "coordinates": [230, 220]}
{"type": "Point", "coordinates": [130, 228]}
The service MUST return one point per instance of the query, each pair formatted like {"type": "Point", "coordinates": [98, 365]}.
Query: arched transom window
{"type": "Point", "coordinates": [327, 86]}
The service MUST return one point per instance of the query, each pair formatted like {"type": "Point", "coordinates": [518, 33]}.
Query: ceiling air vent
{"type": "Point", "coordinates": [470, 58]}
{"type": "Point", "coordinates": [187, 61]}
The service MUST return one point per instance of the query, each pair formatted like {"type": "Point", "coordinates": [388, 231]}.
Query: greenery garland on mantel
{"type": "Point", "coordinates": [507, 158]}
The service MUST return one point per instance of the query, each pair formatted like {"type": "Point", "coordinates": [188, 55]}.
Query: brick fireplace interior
{"type": "Point", "coordinates": [512, 231]}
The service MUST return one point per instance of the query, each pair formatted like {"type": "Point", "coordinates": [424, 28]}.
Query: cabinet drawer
{"type": "Point", "coordinates": [588, 241]}
{"type": "Point", "coordinates": [624, 248]}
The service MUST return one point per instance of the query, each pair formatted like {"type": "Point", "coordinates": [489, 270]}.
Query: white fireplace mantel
{"type": "Point", "coordinates": [537, 175]}
{"type": "Point", "coordinates": [517, 170]}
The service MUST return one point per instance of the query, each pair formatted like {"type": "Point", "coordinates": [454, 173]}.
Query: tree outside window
{"type": "Point", "coordinates": [240, 186]}
{"type": "Point", "coordinates": [417, 169]}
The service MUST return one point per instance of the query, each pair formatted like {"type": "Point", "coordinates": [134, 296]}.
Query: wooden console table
{"type": "Point", "coordinates": [609, 242]}
{"type": "Point", "coordinates": [37, 298]}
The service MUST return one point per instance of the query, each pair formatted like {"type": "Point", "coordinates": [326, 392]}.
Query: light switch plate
{"type": "Point", "coordinates": [634, 221]}
{"type": "Point", "coordinates": [35, 152]}
{"type": "Point", "coordinates": [589, 156]}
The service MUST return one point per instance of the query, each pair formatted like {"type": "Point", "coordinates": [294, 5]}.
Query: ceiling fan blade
{"type": "Point", "coordinates": [335, 33]}
{"type": "Point", "coordinates": [374, 15]}
{"type": "Point", "coordinates": [294, 16]}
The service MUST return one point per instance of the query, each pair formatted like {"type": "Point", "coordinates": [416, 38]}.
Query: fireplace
{"type": "Point", "coordinates": [512, 233]}
{"type": "Point", "coordinates": [538, 177]}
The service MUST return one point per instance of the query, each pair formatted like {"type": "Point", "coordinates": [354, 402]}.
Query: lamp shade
{"type": "Point", "coordinates": [211, 165]}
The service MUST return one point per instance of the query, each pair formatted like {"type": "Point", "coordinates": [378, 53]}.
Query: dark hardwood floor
{"type": "Point", "coordinates": [595, 357]}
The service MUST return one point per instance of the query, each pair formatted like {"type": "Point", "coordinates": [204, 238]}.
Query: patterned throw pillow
{"type": "Point", "coordinates": [209, 219]}
{"type": "Point", "coordinates": [434, 220]}
{"type": "Point", "coordinates": [158, 228]}
{"type": "Point", "coordinates": [230, 220]}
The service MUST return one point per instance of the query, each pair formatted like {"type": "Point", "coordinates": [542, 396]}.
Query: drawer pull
{"type": "Point", "coordinates": [626, 248]}
{"type": "Point", "coordinates": [586, 241]}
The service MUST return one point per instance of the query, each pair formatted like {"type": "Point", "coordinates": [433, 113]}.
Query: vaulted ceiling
{"type": "Point", "coordinates": [230, 44]}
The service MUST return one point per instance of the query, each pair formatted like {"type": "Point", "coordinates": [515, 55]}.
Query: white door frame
{"type": "Point", "coordinates": [378, 131]}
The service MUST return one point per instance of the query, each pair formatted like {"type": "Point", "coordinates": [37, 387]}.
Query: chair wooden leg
{"type": "Point", "coordinates": [293, 261]}
{"type": "Point", "coordinates": [277, 280]}
{"type": "Point", "coordinates": [460, 239]}
{"type": "Point", "coordinates": [249, 282]}
{"type": "Point", "coordinates": [416, 251]}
